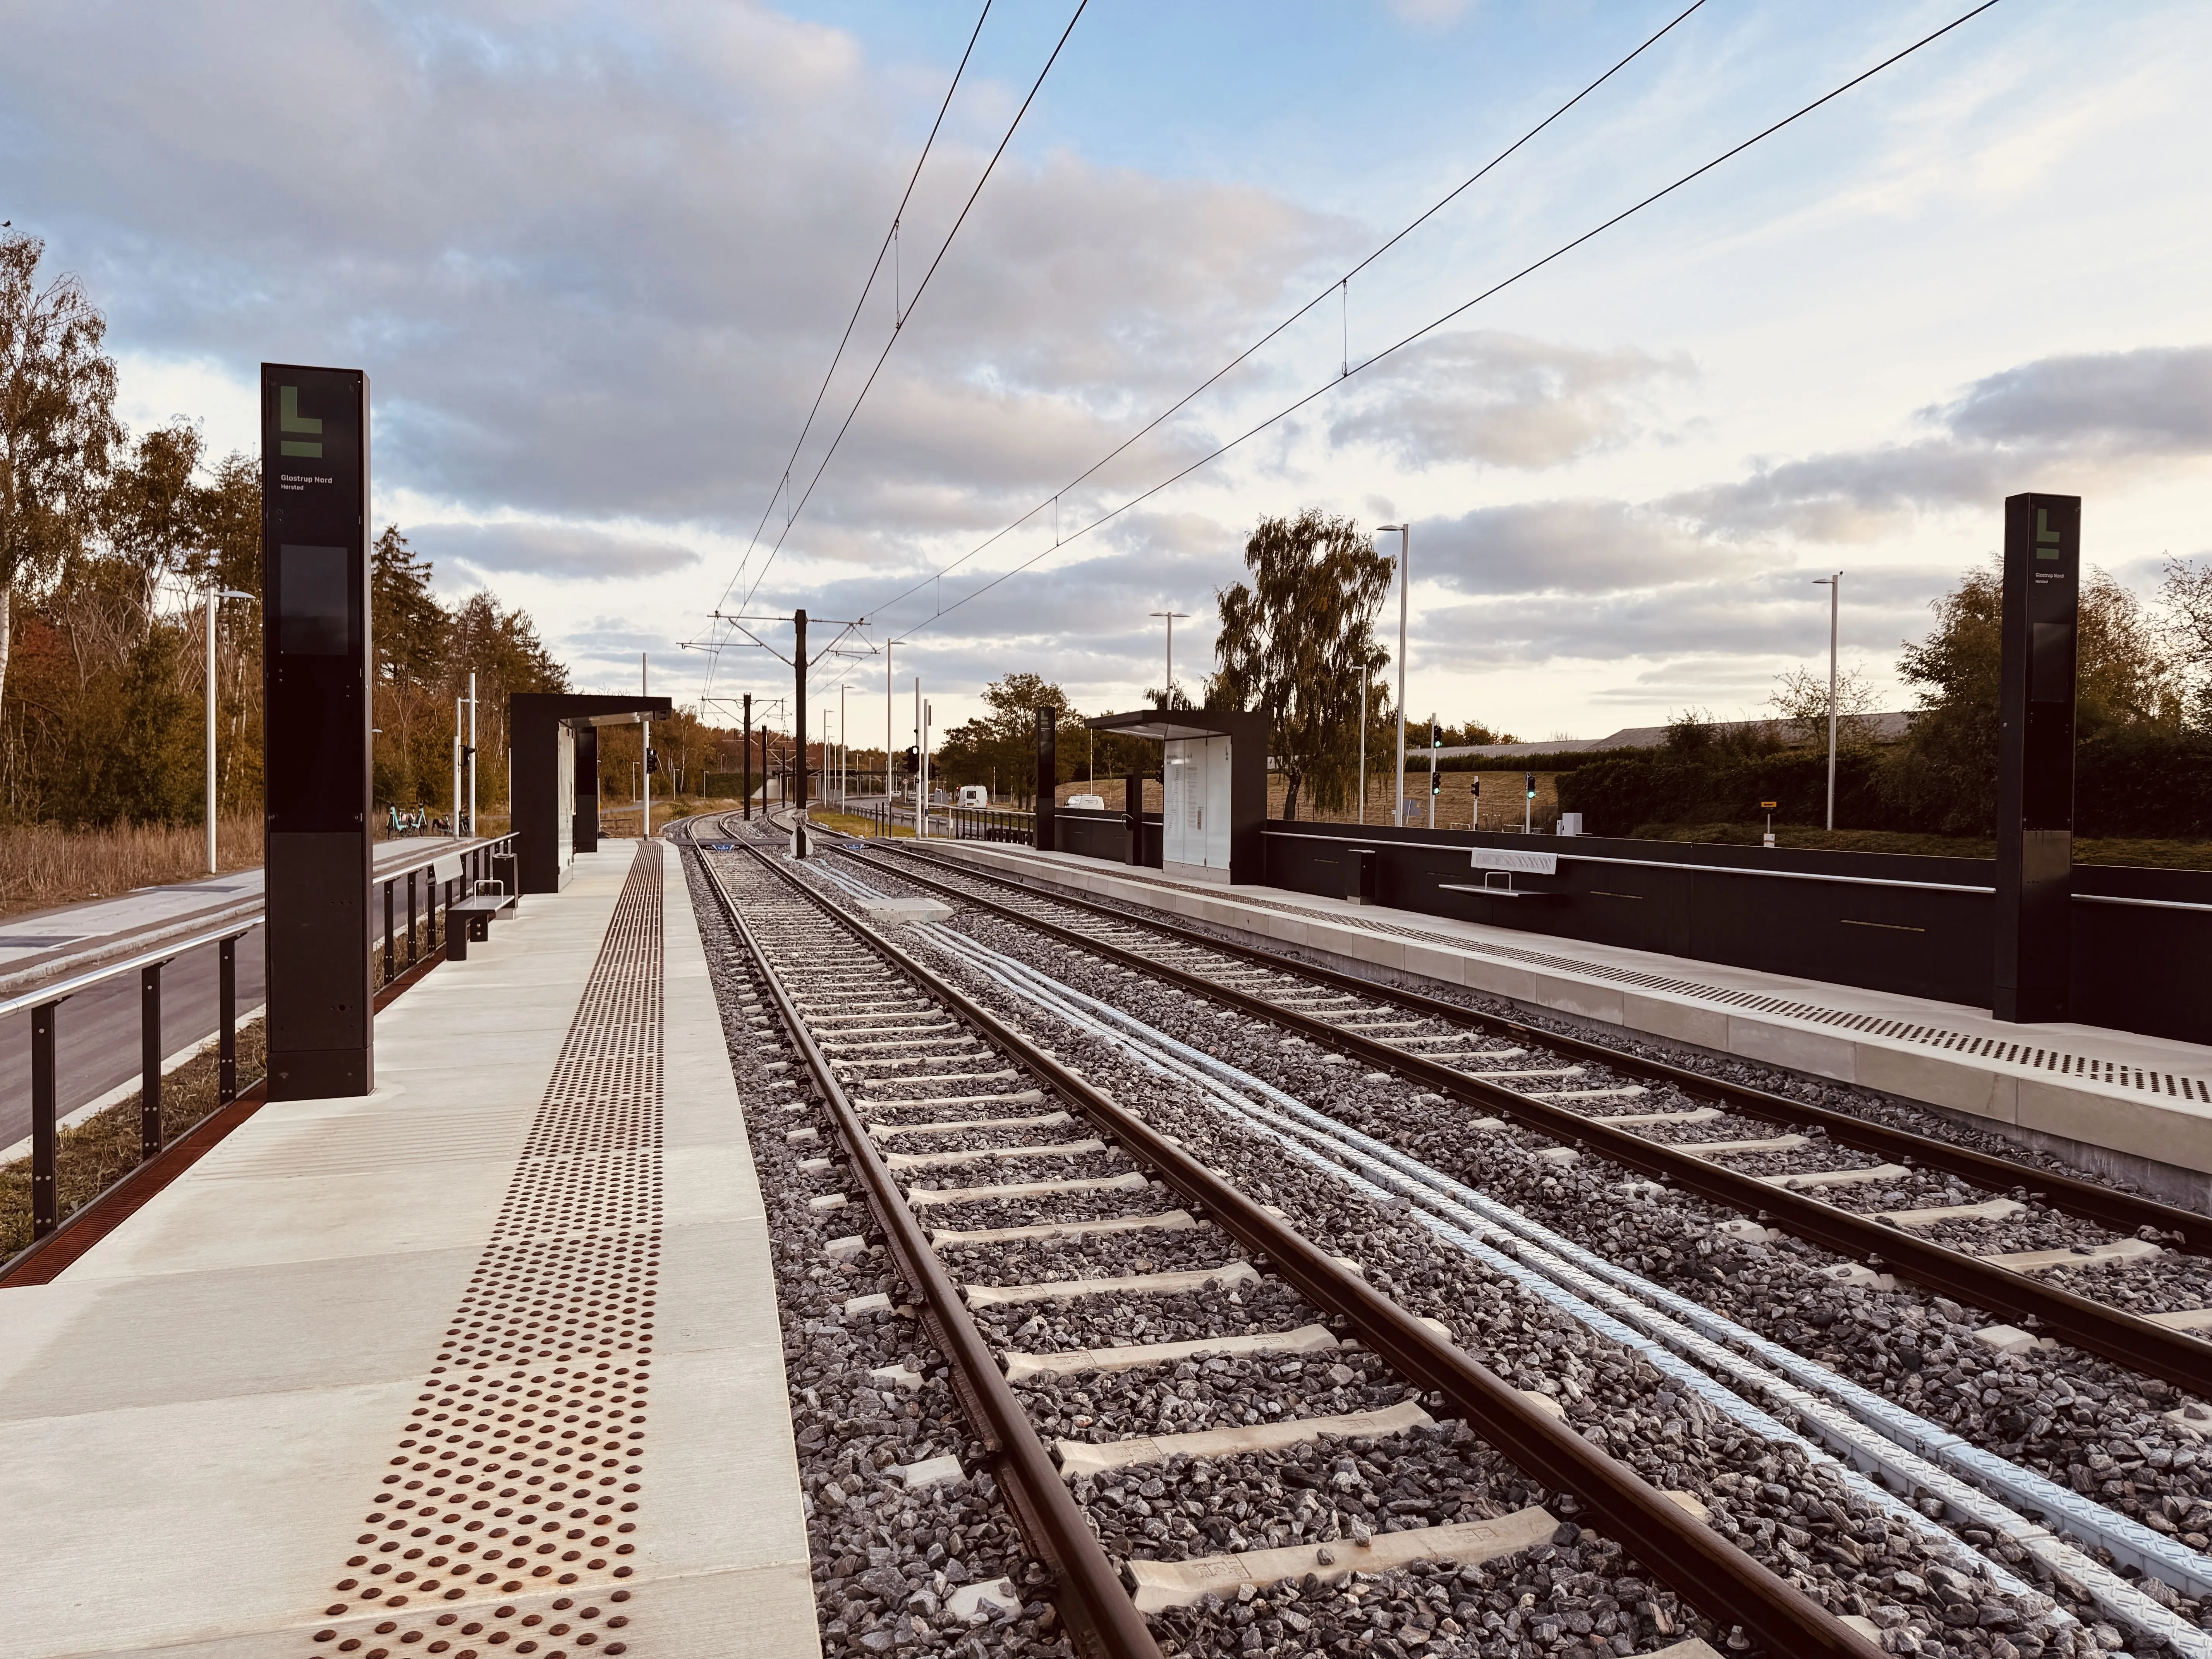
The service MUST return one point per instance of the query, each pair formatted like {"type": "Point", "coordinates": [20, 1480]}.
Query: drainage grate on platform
{"type": "Point", "coordinates": [507, 1509]}
{"type": "Point", "coordinates": [2114, 1074]}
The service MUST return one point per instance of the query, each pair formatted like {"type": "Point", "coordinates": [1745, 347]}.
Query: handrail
{"type": "Point", "coordinates": [1351, 832]}
{"type": "Point", "coordinates": [42, 1001]}
{"type": "Point", "coordinates": [64, 989]}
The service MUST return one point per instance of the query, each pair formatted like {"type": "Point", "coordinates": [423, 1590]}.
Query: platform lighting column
{"type": "Point", "coordinates": [748, 761]}
{"type": "Point", "coordinates": [1167, 697]}
{"type": "Point", "coordinates": [888, 719]}
{"type": "Point", "coordinates": [1835, 585]}
{"type": "Point", "coordinates": [645, 750]}
{"type": "Point", "coordinates": [918, 763]}
{"type": "Point", "coordinates": [1364, 690]}
{"type": "Point", "coordinates": [1398, 779]}
{"type": "Point", "coordinates": [844, 751]}
{"type": "Point", "coordinates": [215, 596]}
{"type": "Point", "coordinates": [453, 824]}
{"type": "Point", "coordinates": [472, 751]}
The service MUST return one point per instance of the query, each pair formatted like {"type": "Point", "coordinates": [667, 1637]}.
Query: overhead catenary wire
{"type": "Point", "coordinates": [1430, 327]}
{"type": "Point", "coordinates": [889, 243]}
{"type": "Point", "coordinates": [1340, 288]}
{"type": "Point", "coordinates": [942, 249]}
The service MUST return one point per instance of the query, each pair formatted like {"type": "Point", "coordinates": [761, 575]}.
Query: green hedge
{"type": "Point", "coordinates": [2137, 781]}
{"type": "Point", "coordinates": [2131, 781]}
{"type": "Point", "coordinates": [1657, 785]}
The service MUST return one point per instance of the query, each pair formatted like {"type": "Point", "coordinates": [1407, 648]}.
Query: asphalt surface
{"type": "Point", "coordinates": [96, 1032]}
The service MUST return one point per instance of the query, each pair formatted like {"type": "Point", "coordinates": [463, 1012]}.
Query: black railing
{"type": "Point", "coordinates": [449, 875]}
{"type": "Point", "coordinates": [998, 823]}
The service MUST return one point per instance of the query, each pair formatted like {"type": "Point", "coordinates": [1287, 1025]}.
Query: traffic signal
{"type": "Point", "coordinates": [1530, 780]}
{"type": "Point", "coordinates": [653, 760]}
{"type": "Point", "coordinates": [1436, 733]}
{"type": "Point", "coordinates": [913, 760]}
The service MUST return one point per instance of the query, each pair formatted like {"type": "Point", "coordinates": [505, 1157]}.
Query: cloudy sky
{"type": "Point", "coordinates": [596, 258]}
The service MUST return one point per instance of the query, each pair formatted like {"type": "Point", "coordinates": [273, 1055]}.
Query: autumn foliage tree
{"type": "Point", "coordinates": [1297, 644]}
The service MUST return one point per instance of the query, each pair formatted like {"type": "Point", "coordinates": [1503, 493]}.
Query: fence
{"type": "Point", "coordinates": [953, 822]}
{"type": "Point", "coordinates": [43, 1002]}
{"type": "Point", "coordinates": [1920, 926]}
{"type": "Point", "coordinates": [1106, 835]}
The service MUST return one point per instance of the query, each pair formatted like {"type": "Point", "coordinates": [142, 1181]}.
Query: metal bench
{"type": "Point", "coordinates": [468, 918]}
{"type": "Point", "coordinates": [1495, 861]}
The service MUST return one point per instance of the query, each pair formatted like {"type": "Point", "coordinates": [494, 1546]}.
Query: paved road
{"type": "Point", "coordinates": [96, 1034]}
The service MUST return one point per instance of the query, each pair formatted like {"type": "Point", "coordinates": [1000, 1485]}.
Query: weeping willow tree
{"type": "Point", "coordinates": [1297, 644]}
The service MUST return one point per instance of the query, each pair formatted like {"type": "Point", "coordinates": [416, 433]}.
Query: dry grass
{"type": "Point", "coordinates": [618, 820]}
{"type": "Point", "coordinates": [43, 864]}
{"type": "Point", "coordinates": [103, 1149]}
{"type": "Point", "coordinates": [853, 824]}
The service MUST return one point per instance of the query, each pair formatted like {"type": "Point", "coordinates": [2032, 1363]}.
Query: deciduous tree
{"type": "Point", "coordinates": [1945, 773]}
{"type": "Point", "coordinates": [57, 422]}
{"type": "Point", "coordinates": [1297, 645]}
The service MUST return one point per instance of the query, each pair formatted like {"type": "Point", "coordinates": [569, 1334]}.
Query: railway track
{"type": "Point", "coordinates": [1889, 1201]}
{"type": "Point", "coordinates": [1990, 1498]}
{"type": "Point", "coordinates": [993, 1102]}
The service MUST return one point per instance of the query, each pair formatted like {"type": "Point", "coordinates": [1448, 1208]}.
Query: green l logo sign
{"type": "Point", "coordinates": [289, 419]}
{"type": "Point", "coordinates": [2046, 538]}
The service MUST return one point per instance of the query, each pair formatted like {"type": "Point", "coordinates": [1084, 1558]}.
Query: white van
{"type": "Point", "coordinates": [974, 794]}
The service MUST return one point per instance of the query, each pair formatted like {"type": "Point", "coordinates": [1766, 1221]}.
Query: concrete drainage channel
{"type": "Point", "coordinates": [1865, 1430]}
{"type": "Point", "coordinates": [1824, 1523]}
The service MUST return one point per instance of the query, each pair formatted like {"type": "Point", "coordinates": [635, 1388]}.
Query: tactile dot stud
{"type": "Point", "coordinates": [569, 1273]}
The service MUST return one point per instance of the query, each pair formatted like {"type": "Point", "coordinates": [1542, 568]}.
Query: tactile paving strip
{"type": "Point", "coordinates": [505, 1521]}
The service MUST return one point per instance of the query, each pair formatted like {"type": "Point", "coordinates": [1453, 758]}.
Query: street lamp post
{"type": "Point", "coordinates": [1398, 779]}
{"type": "Point", "coordinates": [1167, 697]}
{"type": "Point", "coordinates": [1835, 585]}
{"type": "Point", "coordinates": [215, 597]}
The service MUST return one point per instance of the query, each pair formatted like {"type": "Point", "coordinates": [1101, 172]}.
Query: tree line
{"type": "Point", "coordinates": [109, 542]}
{"type": "Point", "coordinates": [1297, 642]}
{"type": "Point", "coordinates": [2142, 732]}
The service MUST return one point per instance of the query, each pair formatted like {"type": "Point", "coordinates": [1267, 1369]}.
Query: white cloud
{"type": "Point", "coordinates": [562, 552]}
{"type": "Point", "coordinates": [1500, 398]}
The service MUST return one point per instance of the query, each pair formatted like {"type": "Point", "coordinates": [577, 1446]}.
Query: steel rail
{"type": "Point", "coordinates": [2125, 1339]}
{"type": "Point", "coordinates": [2069, 1194]}
{"type": "Point", "coordinates": [1720, 1579]}
{"type": "Point", "coordinates": [1092, 1600]}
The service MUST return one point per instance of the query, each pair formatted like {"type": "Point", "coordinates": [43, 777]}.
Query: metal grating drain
{"type": "Point", "coordinates": [506, 1517]}
{"type": "Point", "coordinates": [2117, 1074]}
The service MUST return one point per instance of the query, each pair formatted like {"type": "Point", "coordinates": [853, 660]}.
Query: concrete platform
{"type": "Point", "coordinates": [2133, 1106]}
{"type": "Point", "coordinates": [351, 1318]}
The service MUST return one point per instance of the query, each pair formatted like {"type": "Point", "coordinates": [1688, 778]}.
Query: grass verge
{"type": "Point", "coordinates": [44, 865]}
